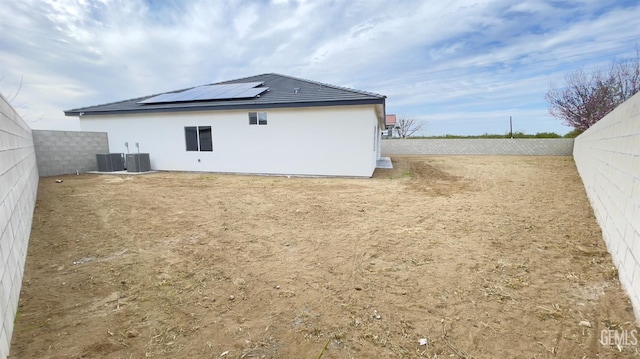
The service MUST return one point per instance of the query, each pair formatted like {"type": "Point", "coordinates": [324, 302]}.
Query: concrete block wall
{"type": "Point", "coordinates": [65, 152]}
{"type": "Point", "coordinates": [480, 146]}
{"type": "Point", "coordinates": [607, 156]}
{"type": "Point", "coordinates": [18, 191]}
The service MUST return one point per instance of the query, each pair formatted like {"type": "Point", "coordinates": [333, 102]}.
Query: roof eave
{"type": "Point", "coordinates": [87, 112]}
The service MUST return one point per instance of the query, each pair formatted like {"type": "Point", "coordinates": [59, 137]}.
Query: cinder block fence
{"type": "Point", "coordinates": [479, 146]}
{"type": "Point", "coordinates": [608, 159]}
{"type": "Point", "coordinates": [65, 152]}
{"type": "Point", "coordinates": [18, 190]}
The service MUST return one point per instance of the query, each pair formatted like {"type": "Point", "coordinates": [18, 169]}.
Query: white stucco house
{"type": "Point", "coordinates": [264, 124]}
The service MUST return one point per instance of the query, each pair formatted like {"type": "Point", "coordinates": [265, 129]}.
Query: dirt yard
{"type": "Point", "coordinates": [484, 257]}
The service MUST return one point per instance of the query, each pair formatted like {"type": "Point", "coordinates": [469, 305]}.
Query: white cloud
{"type": "Point", "coordinates": [430, 58]}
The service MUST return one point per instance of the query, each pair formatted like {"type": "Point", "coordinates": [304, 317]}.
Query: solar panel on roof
{"type": "Point", "coordinates": [234, 92]}
{"type": "Point", "coordinates": [214, 92]}
{"type": "Point", "coordinates": [180, 96]}
{"type": "Point", "coordinates": [165, 97]}
{"type": "Point", "coordinates": [197, 91]}
{"type": "Point", "coordinates": [210, 92]}
{"type": "Point", "coordinates": [222, 93]}
{"type": "Point", "coordinates": [253, 92]}
{"type": "Point", "coordinates": [203, 92]}
{"type": "Point", "coordinates": [228, 92]}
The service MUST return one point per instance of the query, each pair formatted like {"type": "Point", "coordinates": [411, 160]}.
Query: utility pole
{"type": "Point", "coordinates": [510, 127]}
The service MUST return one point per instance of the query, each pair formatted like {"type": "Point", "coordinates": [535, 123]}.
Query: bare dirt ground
{"type": "Point", "coordinates": [485, 257]}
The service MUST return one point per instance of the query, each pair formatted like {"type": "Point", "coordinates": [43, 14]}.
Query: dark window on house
{"type": "Point", "coordinates": [198, 138]}
{"type": "Point", "coordinates": [206, 140]}
{"type": "Point", "coordinates": [191, 136]}
{"type": "Point", "coordinates": [262, 118]}
{"type": "Point", "coordinates": [257, 118]}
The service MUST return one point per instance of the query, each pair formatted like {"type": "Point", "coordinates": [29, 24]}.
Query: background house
{"type": "Point", "coordinates": [267, 124]}
{"type": "Point", "coordinates": [389, 125]}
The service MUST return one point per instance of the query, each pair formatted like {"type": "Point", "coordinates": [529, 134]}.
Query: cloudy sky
{"type": "Point", "coordinates": [461, 66]}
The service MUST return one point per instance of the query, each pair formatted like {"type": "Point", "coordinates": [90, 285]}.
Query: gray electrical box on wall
{"type": "Point", "coordinates": [110, 162]}
{"type": "Point", "coordinates": [138, 162]}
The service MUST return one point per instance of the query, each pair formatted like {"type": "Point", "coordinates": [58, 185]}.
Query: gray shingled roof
{"type": "Point", "coordinates": [281, 94]}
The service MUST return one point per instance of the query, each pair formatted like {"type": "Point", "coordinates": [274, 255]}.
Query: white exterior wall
{"type": "Point", "coordinates": [331, 141]}
{"type": "Point", "coordinates": [607, 156]}
{"type": "Point", "coordinates": [18, 190]}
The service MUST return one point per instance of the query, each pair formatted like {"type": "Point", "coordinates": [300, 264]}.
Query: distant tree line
{"type": "Point", "coordinates": [571, 134]}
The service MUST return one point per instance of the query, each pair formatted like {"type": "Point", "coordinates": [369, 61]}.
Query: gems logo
{"type": "Point", "coordinates": [619, 338]}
